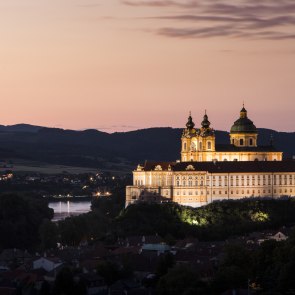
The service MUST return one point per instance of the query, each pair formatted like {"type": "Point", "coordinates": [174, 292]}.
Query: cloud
{"type": "Point", "coordinates": [264, 19]}
{"type": "Point", "coordinates": [161, 3]}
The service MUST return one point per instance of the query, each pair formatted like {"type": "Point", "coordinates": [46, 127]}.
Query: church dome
{"type": "Point", "coordinates": [243, 124]}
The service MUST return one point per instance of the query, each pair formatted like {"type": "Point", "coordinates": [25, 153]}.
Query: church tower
{"type": "Point", "coordinates": [197, 144]}
{"type": "Point", "coordinates": [186, 140]}
{"type": "Point", "coordinates": [243, 133]}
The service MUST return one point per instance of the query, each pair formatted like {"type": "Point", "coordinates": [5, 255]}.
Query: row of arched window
{"type": "Point", "coordinates": [194, 146]}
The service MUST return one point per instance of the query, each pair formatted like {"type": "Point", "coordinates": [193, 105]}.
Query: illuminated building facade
{"type": "Point", "coordinates": [209, 172]}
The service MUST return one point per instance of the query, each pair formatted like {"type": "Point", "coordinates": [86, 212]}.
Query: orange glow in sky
{"type": "Point", "coordinates": [120, 65]}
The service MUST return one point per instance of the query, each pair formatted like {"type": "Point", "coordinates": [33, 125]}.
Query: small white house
{"type": "Point", "coordinates": [48, 264]}
{"type": "Point", "coordinates": [279, 236]}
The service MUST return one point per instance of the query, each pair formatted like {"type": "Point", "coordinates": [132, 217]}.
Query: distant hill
{"type": "Point", "coordinates": [93, 148]}
{"type": "Point", "coordinates": [20, 128]}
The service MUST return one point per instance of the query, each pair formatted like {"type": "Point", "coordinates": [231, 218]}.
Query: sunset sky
{"type": "Point", "coordinates": [118, 65]}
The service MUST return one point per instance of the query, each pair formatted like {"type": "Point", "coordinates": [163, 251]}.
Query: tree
{"type": "Point", "coordinates": [165, 263]}
{"type": "Point", "coordinates": [48, 232]}
{"type": "Point", "coordinates": [109, 271]}
{"type": "Point", "coordinates": [20, 219]}
{"type": "Point", "coordinates": [64, 282]}
{"type": "Point", "coordinates": [181, 280]}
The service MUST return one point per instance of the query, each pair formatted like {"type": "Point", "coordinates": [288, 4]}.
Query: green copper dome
{"type": "Point", "coordinates": [243, 124]}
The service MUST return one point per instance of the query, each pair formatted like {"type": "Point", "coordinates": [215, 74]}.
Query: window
{"type": "Point", "coordinates": [251, 141]}
{"type": "Point", "coordinates": [184, 146]}
{"type": "Point", "coordinates": [200, 146]}
{"type": "Point", "coordinates": [241, 141]}
{"type": "Point", "coordinates": [209, 145]}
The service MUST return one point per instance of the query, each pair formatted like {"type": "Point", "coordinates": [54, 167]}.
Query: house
{"type": "Point", "coordinates": [159, 248]}
{"type": "Point", "coordinates": [279, 236]}
{"type": "Point", "coordinates": [48, 264]}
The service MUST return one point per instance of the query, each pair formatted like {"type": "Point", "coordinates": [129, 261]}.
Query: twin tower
{"type": "Point", "coordinates": [198, 144]}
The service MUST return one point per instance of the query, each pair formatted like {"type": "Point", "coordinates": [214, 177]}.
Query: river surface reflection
{"type": "Point", "coordinates": [67, 208]}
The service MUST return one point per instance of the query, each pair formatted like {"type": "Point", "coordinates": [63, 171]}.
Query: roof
{"type": "Point", "coordinates": [156, 247]}
{"type": "Point", "coordinates": [225, 167]}
{"type": "Point", "coordinates": [232, 148]}
{"type": "Point", "coordinates": [243, 125]}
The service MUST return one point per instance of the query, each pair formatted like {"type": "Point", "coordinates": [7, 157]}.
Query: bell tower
{"type": "Point", "coordinates": [197, 144]}
{"type": "Point", "coordinates": [186, 140]}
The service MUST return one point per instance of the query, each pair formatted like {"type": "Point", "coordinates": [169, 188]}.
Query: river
{"type": "Point", "coordinates": [67, 208]}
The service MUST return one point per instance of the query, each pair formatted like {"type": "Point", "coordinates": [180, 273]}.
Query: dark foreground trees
{"type": "Point", "coordinates": [20, 219]}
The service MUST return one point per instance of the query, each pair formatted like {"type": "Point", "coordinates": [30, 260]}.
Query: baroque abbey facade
{"type": "Point", "coordinates": [208, 172]}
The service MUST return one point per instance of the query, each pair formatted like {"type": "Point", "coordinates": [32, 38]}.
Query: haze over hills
{"type": "Point", "coordinates": [96, 149]}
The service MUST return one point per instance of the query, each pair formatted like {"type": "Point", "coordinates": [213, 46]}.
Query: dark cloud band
{"type": "Point", "coordinates": [265, 19]}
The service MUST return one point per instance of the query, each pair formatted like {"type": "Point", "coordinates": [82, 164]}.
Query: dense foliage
{"type": "Point", "coordinates": [268, 269]}
{"type": "Point", "coordinates": [216, 221]}
{"type": "Point", "coordinates": [20, 219]}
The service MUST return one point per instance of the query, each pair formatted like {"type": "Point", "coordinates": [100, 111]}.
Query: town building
{"type": "Point", "coordinates": [208, 172]}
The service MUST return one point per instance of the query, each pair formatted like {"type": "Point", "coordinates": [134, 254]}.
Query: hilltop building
{"type": "Point", "coordinates": [199, 144]}
{"type": "Point", "coordinates": [208, 171]}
